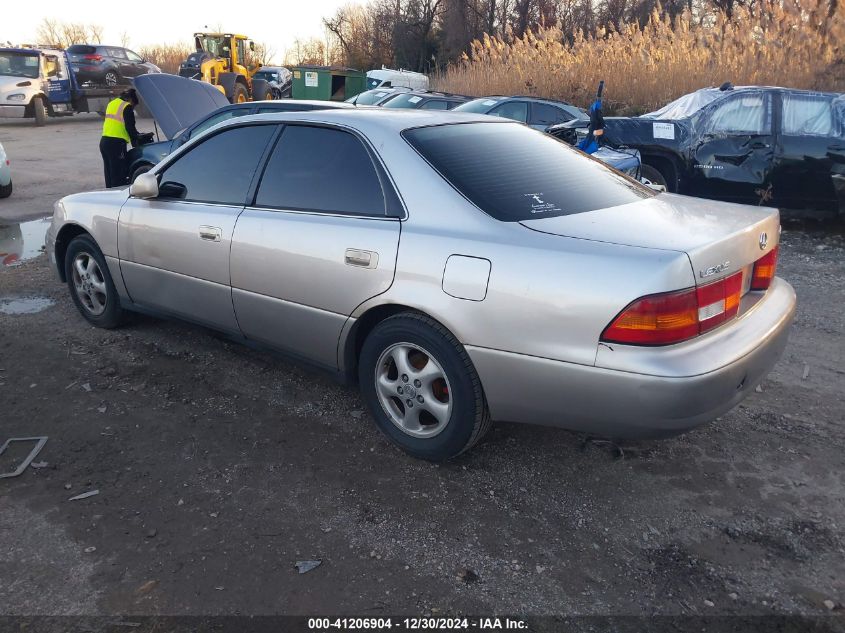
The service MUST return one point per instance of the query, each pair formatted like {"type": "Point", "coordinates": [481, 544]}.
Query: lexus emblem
{"type": "Point", "coordinates": [764, 239]}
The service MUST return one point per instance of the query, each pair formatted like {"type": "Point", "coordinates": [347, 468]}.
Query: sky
{"type": "Point", "coordinates": [277, 24]}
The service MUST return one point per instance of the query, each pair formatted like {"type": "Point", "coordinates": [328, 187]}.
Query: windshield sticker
{"type": "Point", "coordinates": [489, 102]}
{"type": "Point", "coordinates": [415, 99]}
{"type": "Point", "coordinates": [538, 205]}
{"type": "Point", "coordinates": [664, 130]}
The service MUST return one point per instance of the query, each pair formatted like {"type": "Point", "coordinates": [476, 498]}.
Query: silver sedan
{"type": "Point", "coordinates": [459, 268]}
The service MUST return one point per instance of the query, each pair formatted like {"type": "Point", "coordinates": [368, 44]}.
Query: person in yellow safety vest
{"type": "Point", "coordinates": [118, 130]}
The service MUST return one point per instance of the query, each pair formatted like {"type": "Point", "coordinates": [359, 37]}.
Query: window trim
{"type": "Point", "coordinates": [259, 167]}
{"type": "Point", "coordinates": [505, 102]}
{"type": "Point", "coordinates": [834, 123]}
{"type": "Point", "coordinates": [394, 207]}
{"type": "Point", "coordinates": [768, 112]}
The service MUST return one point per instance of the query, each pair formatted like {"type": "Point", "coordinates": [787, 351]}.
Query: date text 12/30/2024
{"type": "Point", "coordinates": [417, 624]}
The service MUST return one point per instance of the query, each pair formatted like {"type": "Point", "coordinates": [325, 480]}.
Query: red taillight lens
{"type": "Point", "coordinates": [764, 270]}
{"type": "Point", "coordinates": [95, 58]}
{"type": "Point", "coordinates": [673, 317]}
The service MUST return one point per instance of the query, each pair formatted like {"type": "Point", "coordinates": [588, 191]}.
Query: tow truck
{"type": "Point", "coordinates": [38, 82]}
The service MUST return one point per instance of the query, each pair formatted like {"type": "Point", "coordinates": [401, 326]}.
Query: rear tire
{"type": "Point", "coordinates": [40, 111]}
{"type": "Point", "coordinates": [440, 411]}
{"type": "Point", "coordinates": [90, 283]}
{"type": "Point", "coordinates": [111, 78]}
{"type": "Point", "coordinates": [6, 191]}
{"type": "Point", "coordinates": [653, 175]}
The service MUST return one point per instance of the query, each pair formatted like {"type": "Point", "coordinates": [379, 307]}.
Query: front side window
{"type": "Point", "coordinates": [321, 169]}
{"type": "Point", "coordinates": [807, 115]}
{"type": "Point", "coordinates": [516, 110]}
{"type": "Point", "coordinates": [134, 57]}
{"type": "Point", "coordinates": [217, 118]}
{"type": "Point", "coordinates": [117, 53]}
{"type": "Point", "coordinates": [741, 114]}
{"type": "Point", "coordinates": [220, 169]}
{"type": "Point", "coordinates": [515, 173]}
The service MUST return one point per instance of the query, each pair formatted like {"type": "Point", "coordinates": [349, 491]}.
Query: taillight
{"type": "Point", "coordinates": [764, 270]}
{"type": "Point", "coordinates": [672, 317]}
{"type": "Point", "coordinates": [95, 58]}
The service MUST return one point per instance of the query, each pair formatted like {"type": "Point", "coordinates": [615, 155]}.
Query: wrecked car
{"type": "Point", "coordinates": [758, 145]}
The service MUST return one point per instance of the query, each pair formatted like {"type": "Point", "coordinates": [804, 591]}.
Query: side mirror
{"type": "Point", "coordinates": [145, 187]}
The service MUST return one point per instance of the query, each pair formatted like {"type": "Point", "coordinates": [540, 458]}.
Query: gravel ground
{"type": "Point", "coordinates": [219, 467]}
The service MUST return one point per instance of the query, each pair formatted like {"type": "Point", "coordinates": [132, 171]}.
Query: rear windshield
{"type": "Point", "coordinates": [515, 173]}
{"type": "Point", "coordinates": [81, 49]}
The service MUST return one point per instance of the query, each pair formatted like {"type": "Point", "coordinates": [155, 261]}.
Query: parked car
{"type": "Point", "coordinates": [747, 144]}
{"type": "Point", "coordinates": [538, 113]}
{"type": "Point", "coordinates": [107, 65]}
{"type": "Point", "coordinates": [279, 79]}
{"type": "Point", "coordinates": [389, 78]}
{"type": "Point", "coordinates": [460, 269]}
{"type": "Point", "coordinates": [376, 97]}
{"type": "Point", "coordinates": [196, 106]}
{"type": "Point", "coordinates": [5, 174]}
{"type": "Point", "coordinates": [424, 100]}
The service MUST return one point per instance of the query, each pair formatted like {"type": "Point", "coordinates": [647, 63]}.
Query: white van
{"type": "Point", "coordinates": [389, 78]}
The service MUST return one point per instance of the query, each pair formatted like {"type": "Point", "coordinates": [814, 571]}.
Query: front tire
{"type": "Point", "coordinates": [40, 111]}
{"type": "Point", "coordinates": [239, 94]}
{"type": "Point", "coordinates": [111, 78]}
{"type": "Point", "coordinates": [421, 388]}
{"type": "Point", "coordinates": [90, 283]}
{"type": "Point", "coordinates": [6, 190]}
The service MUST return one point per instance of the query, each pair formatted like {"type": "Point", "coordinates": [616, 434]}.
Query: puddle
{"type": "Point", "coordinates": [21, 241]}
{"type": "Point", "coordinates": [24, 305]}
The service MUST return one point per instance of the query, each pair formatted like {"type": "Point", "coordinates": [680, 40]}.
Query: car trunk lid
{"type": "Point", "coordinates": [177, 103]}
{"type": "Point", "coordinates": [719, 238]}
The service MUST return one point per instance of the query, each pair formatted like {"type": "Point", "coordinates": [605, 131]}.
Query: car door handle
{"type": "Point", "coordinates": [211, 233]}
{"type": "Point", "coordinates": [361, 259]}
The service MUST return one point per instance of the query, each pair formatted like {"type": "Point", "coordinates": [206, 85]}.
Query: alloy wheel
{"type": "Point", "coordinates": [413, 390]}
{"type": "Point", "coordinates": [90, 284]}
{"type": "Point", "coordinates": [111, 79]}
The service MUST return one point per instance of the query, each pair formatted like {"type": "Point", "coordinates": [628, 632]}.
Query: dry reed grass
{"type": "Point", "coordinates": [168, 57]}
{"type": "Point", "coordinates": [796, 44]}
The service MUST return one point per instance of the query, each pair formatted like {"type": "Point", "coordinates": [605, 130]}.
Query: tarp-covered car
{"type": "Point", "coordinates": [763, 145]}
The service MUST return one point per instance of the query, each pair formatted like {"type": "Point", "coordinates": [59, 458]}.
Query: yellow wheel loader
{"type": "Point", "coordinates": [221, 59]}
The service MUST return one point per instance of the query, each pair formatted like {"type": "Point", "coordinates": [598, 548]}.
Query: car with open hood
{"type": "Point", "coordinates": [458, 268]}
{"type": "Point", "coordinates": [749, 144]}
{"type": "Point", "coordinates": [185, 108]}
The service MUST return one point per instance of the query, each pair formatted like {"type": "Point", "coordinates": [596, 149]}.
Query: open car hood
{"type": "Point", "coordinates": [175, 102]}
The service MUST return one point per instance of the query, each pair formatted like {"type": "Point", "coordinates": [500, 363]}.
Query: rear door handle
{"type": "Point", "coordinates": [211, 233]}
{"type": "Point", "coordinates": [361, 259]}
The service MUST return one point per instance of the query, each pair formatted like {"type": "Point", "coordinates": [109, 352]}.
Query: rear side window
{"type": "Point", "coordinates": [807, 115]}
{"type": "Point", "coordinates": [321, 169]}
{"type": "Point", "coordinates": [515, 173]}
{"type": "Point", "coordinates": [220, 169]}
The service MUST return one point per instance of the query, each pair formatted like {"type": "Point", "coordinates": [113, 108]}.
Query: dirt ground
{"type": "Point", "coordinates": [219, 467]}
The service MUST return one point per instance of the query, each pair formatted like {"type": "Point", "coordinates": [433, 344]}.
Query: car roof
{"type": "Point", "coordinates": [372, 120]}
{"type": "Point", "coordinates": [436, 93]}
{"type": "Point", "coordinates": [284, 104]}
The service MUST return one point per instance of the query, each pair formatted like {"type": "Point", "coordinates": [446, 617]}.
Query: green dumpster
{"type": "Point", "coordinates": [327, 83]}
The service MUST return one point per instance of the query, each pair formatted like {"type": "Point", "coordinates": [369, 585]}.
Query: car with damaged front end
{"type": "Point", "coordinates": [749, 144]}
{"type": "Point", "coordinates": [458, 268]}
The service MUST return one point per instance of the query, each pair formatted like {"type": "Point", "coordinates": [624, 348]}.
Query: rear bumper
{"type": "Point", "coordinates": [698, 384]}
{"type": "Point", "coordinates": [12, 111]}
